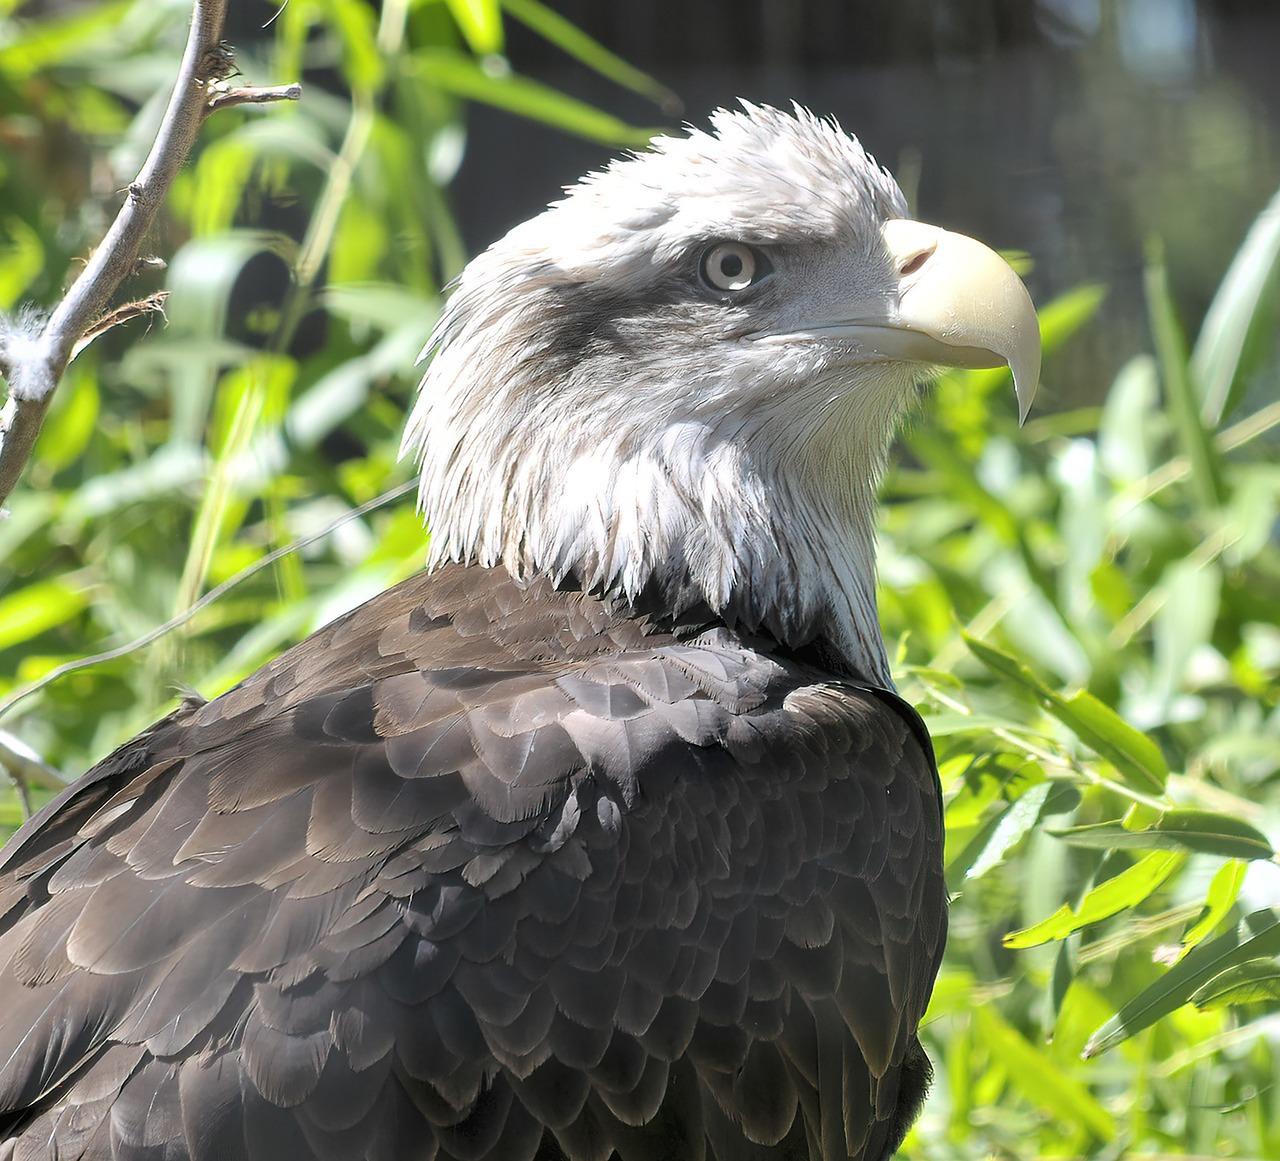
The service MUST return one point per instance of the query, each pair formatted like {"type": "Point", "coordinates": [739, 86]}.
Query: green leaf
{"type": "Point", "coordinates": [40, 606]}
{"type": "Point", "coordinates": [571, 39]}
{"type": "Point", "coordinates": [1008, 830]}
{"type": "Point", "coordinates": [1180, 393]}
{"type": "Point", "coordinates": [379, 304]}
{"type": "Point", "coordinates": [1127, 434]}
{"type": "Point", "coordinates": [1235, 310]}
{"type": "Point", "coordinates": [1082, 1009]}
{"type": "Point", "coordinates": [356, 26]}
{"type": "Point", "coordinates": [1068, 313]}
{"type": "Point", "coordinates": [162, 474]}
{"type": "Point", "coordinates": [459, 74]}
{"type": "Point", "coordinates": [1183, 625]}
{"type": "Point", "coordinates": [1223, 892]}
{"type": "Point", "coordinates": [72, 422]}
{"type": "Point", "coordinates": [1204, 831]}
{"type": "Point", "coordinates": [480, 22]}
{"type": "Point", "coordinates": [244, 396]}
{"type": "Point", "coordinates": [1098, 726]}
{"type": "Point", "coordinates": [1006, 666]}
{"type": "Point", "coordinates": [1258, 935]}
{"type": "Point", "coordinates": [200, 279]}
{"type": "Point", "coordinates": [10, 813]}
{"type": "Point", "coordinates": [1042, 1079]}
{"type": "Point", "coordinates": [1252, 982]}
{"type": "Point", "coordinates": [1127, 889]}
{"type": "Point", "coordinates": [948, 724]}
{"type": "Point", "coordinates": [47, 43]}
{"type": "Point", "coordinates": [21, 259]}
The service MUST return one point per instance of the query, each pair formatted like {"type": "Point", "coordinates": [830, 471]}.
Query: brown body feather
{"type": "Point", "coordinates": [483, 872]}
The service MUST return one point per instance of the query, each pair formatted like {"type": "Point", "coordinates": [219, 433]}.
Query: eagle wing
{"type": "Point", "coordinates": [482, 872]}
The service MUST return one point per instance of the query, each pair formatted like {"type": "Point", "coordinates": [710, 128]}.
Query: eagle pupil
{"type": "Point", "coordinates": [731, 265]}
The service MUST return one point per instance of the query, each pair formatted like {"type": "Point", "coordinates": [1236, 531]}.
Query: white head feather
{"type": "Point", "coordinates": [592, 410]}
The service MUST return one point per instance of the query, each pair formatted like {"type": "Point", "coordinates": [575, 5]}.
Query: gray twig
{"type": "Point", "coordinates": [27, 769]}
{"type": "Point", "coordinates": [223, 97]}
{"type": "Point", "coordinates": [34, 370]}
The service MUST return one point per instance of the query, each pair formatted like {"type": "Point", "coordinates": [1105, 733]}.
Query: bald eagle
{"type": "Point", "coordinates": [607, 834]}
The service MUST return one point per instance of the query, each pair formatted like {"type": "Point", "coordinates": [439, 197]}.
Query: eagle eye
{"type": "Point", "coordinates": [733, 266]}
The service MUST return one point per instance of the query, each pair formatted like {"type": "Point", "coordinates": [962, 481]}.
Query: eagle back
{"type": "Point", "coordinates": [484, 872]}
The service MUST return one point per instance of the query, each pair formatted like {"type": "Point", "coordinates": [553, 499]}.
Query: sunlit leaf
{"type": "Point", "coordinates": [357, 31]}
{"type": "Point", "coordinates": [336, 396]}
{"type": "Point", "coordinates": [1179, 392]}
{"type": "Point", "coordinates": [1101, 728]}
{"type": "Point", "coordinates": [359, 243]}
{"type": "Point", "coordinates": [946, 724]}
{"type": "Point", "coordinates": [1008, 829]}
{"type": "Point", "coordinates": [164, 474]}
{"type": "Point", "coordinates": [1254, 981]}
{"type": "Point", "coordinates": [1233, 313]}
{"type": "Point", "coordinates": [1258, 935]}
{"type": "Point", "coordinates": [1082, 1009]}
{"type": "Point", "coordinates": [1128, 430]}
{"type": "Point", "coordinates": [480, 22]}
{"type": "Point", "coordinates": [245, 393]}
{"type": "Point", "coordinates": [962, 482]}
{"type": "Point", "coordinates": [1221, 897]}
{"type": "Point", "coordinates": [190, 354]}
{"type": "Point", "coordinates": [30, 611]}
{"type": "Point", "coordinates": [1119, 893]}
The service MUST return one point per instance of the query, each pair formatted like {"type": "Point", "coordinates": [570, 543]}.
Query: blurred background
{"type": "Point", "coordinates": [1084, 609]}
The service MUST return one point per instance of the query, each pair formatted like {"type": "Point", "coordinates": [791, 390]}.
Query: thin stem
{"type": "Point", "coordinates": [1048, 758]}
{"type": "Point", "coordinates": [1179, 468]}
{"type": "Point", "coordinates": [20, 695]}
{"type": "Point", "coordinates": [324, 222]}
{"type": "Point", "coordinates": [1205, 553]}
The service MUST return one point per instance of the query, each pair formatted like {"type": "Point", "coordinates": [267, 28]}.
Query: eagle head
{"type": "Point", "coordinates": [684, 376]}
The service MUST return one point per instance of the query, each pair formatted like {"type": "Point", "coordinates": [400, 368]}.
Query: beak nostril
{"type": "Point", "coordinates": [918, 259]}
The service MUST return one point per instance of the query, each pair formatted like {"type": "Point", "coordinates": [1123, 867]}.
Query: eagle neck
{"type": "Point", "coordinates": [771, 538]}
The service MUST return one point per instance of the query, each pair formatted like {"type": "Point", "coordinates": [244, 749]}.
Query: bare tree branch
{"type": "Point", "coordinates": [224, 98]}
{"type": "Point", "coordinates": [34, 363]}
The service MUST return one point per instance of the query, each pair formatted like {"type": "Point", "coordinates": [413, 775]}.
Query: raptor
{"type": "Point", "coordinates": [607, 834]}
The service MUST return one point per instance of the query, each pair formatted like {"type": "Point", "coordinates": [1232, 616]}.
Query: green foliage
{"type": "Point", "coordinates": [1085, 609]}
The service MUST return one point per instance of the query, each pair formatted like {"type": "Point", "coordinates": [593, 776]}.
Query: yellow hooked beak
{"type": "Point", "coordinates": [952, 302]}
